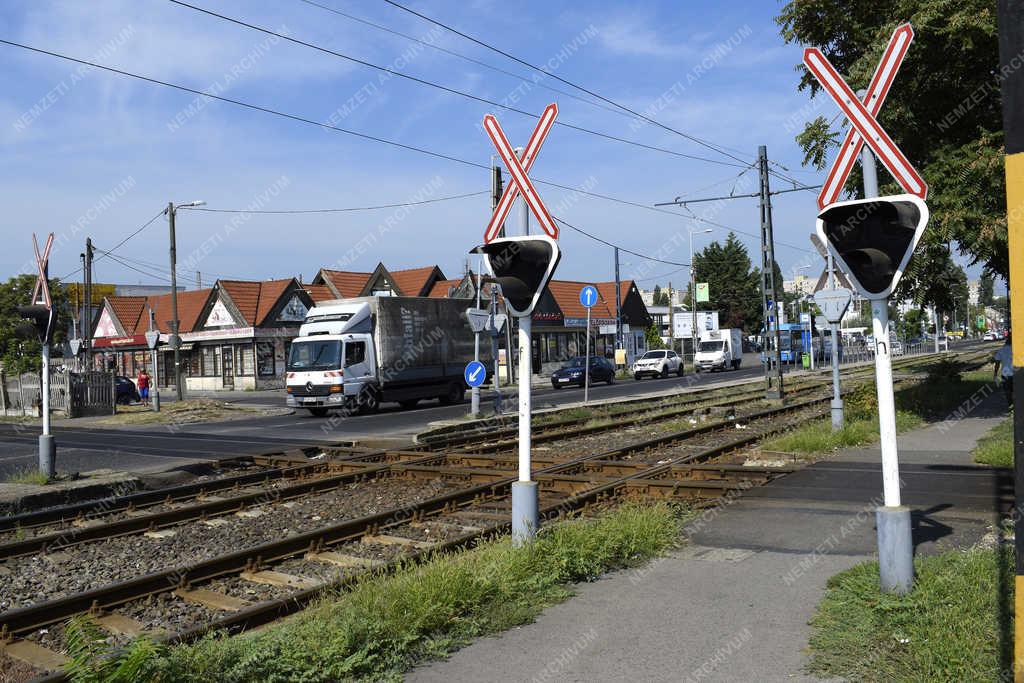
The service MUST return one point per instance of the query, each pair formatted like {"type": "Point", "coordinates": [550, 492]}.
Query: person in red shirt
{"type": "Point", "coordinates": [143, 383]}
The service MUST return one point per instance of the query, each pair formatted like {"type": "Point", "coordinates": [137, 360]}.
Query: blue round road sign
{"type": "Point", "coordinates": [588, 296]}
{"type": "Point", "coordinates": [475, 373]}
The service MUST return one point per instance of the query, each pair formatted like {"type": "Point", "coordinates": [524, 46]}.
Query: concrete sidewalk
{"type": "Point", "coordinates": [734, 604]}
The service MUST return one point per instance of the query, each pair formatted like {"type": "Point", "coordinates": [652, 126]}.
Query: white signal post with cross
{"type": "Point", "coordinates": [41, 312]}
{"type": "Point", "coordinates": [523, 266]}
{"type": "Point", "coordinates": [879, 234]}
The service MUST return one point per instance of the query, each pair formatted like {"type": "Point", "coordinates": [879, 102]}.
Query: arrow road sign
{"type": "Point", "coordinates": [588, 296]}
{"type": "Point", "coordinates": [475, 373]}
{"type": "Point", "coordinates": [863, 120]}
{"type": "Point", "coordinates": [885, 73]}
{"type": "Point", "coordinates": [518, 170]}
{"type": "Point", "coordinates": [833, 303]}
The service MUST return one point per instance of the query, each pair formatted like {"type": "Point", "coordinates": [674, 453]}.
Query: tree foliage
{"type": "Point", "coordinates": [944, 111]}
{"type": "Point", "coordinates": [734, 285]}
{"type": "Point", "coordinates": [23, 354]}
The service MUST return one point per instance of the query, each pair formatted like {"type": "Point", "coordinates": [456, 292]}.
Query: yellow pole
{"type": "Point", "coordinates": [1011, 71]}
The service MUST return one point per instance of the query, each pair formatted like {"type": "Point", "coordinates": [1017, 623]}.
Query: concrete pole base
{"type": "Point", "coordinates": [156, 402]}
{"type": "Point", "coordinates": [525, 520]}
{"type": "Point", "coordinates": [837, 414]}
{"type": "Point", "coordinates": [895, 549]}
{"type": "Point", "coordinates": [47, 455]}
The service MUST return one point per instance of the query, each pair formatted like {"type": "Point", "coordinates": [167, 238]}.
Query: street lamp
{"type": "Point", "coordinates": [175, 340]}
{"type": "Point", "coordinates": [693, 293]}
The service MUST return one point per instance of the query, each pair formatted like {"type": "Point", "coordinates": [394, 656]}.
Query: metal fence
{"type": "Point", "coordinates": [73, 394]}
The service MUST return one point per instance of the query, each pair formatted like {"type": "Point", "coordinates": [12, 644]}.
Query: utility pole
{"type": "Point", "coordinates": [1011, 45]}
{"type": "Point", "coordinates": [773, 389]}
{"type": "Point", "coordinates": [671, 321]}
{"type": "Point", "coordinates": [87, 322]}
{"type": "Point", "coordinates": [179, 385]}
{"type": "Point", "coordinates": [171, 211]}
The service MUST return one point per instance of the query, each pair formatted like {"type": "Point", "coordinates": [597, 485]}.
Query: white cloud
{"type": "Point", "coordinates": [635, 37]}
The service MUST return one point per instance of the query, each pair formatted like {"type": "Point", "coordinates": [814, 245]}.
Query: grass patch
{"type": "Point", "coordinates": [28, 476]}
{"type": "Point", "coordinates": [996, 447]}
{"type": "Point", "coordinates": [952, 627]}
{"type": "Point", "coordinates": [386, 624]}
{"type": "Point", "coordinates": [933, 398]}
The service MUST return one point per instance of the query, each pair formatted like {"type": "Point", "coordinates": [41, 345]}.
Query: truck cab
{"type": "Point", "coordinates": [332, 371]}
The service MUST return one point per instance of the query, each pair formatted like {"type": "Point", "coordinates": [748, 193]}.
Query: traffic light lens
{"type": "Point", "coordinates": [872, 238]}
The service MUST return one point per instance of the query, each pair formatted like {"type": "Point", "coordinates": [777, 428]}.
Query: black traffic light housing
{"type": "Point", "coordinates": [523, 266]}
{"type": "Point", "coordinates": [873, 239]}
{"type": "Point", "coordinates": [37, 322]}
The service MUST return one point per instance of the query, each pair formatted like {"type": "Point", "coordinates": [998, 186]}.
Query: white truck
{"type": "Point", "coordinates": [355, 354]}
{"type": "Point", "coordinates": [719, 350]}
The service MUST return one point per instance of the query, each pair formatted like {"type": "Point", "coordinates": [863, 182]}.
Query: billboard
{"type": "Point", "coordinates": [706, 320]}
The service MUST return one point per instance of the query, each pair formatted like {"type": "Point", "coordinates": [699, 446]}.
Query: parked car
{"type": "Point", "coordinates": [125, 391]}
{"type": "Point", "coordinates": [658, 364]}
{"type": "Point", "coordinates": [896, 347]}
{"type": "Point", "coordinates": [572, 373]}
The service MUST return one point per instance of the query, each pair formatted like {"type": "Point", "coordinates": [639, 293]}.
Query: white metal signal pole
{"type": "Point", "coordinates": [895, 538]}
{"type": "Point", "coordinates": [837, 396]}
{"type": "Point", "coordinates": [474, 392]}
{"type": "Point", "coordinates": [525, 506]}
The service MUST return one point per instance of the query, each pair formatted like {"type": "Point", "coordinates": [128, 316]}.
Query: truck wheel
{"type": "Point", "coordinates": [409, 404]}
{"type": "Point", "coordinates": [735, 365]}
{"type": "Point", "coordinates": [369, 402]}
{"type": "Point", "coordinates": [456, 394]}
{"type": "Point", "coordinates": [318, 412]}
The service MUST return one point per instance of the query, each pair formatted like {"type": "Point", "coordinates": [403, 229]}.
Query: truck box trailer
{"type": "Point", "coordinates": [719, 350]}
{"type": "Point", "coordinates": [361, 352]}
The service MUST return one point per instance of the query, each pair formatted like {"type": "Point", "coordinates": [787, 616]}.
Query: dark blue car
{"type": "Point", "coordinates": [125, 391]}
{"type": "Point", "coordinates": [572, 373]}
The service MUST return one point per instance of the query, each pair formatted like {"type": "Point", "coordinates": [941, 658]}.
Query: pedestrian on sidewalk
{"type": "Point", "coordinates": [1004, 361]}
{"type": "Point", "coordinates": [143, 383]}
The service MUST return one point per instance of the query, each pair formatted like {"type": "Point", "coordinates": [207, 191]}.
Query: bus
{"type": "Point", "coordinates": [791, 342]}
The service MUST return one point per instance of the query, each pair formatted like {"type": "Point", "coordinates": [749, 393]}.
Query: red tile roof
{"type": "Point", "coordinates": [255, 300]}
{"type": "Point", "coordinates": [607, 291]}
{"type": "Point", "coordinates": [319, 292]}
{"type": "Point", "coordinates": [567, 295]}
{"type": "Point", "coordinates": [348, 284]}
{"type": "Point", "coordinates": [413, 281]}
{"type": "Point", "coordinates": [128, 310]}
{"type": "Point", "coordinates": [271, 292]}
{"type": "Point", "coordinates": [440, 288]}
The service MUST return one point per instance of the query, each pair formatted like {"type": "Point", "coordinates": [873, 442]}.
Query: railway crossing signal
{"type": "Point", "coordinates": [873, 239]}
{"type": "Point", "coordinates": [40, 315]}
{"type": "Point", "coordinates": [518, 169]}
{"type": "Point", "coordinates": [864, 125]}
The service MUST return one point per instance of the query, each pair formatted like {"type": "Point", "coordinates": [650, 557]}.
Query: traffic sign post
{"type": "Point", "coordinates": [523, 266]}
{"type": "Point", "coordinates": [588, 297]}
{"type": "Point", "coordinates": [833, 304]}
{"type": "Point", "coordinates": [153, 341]}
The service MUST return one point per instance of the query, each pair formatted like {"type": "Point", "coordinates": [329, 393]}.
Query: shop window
{"type": "Point", "coordinates": [244, 360]}
{"type": "Point", "coordinates": [189, 363]}
{"type": "Point", "coordinates": [210, 366]}
{"type": "Point", "coordinates": [265, 359]}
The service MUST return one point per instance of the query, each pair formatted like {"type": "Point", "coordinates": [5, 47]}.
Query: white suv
{"type": "Point", "coordinates": [658, 364]}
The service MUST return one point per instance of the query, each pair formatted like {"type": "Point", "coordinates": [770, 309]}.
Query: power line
{"type": "Point", "coordinates": [343, 210]}
{"type": "Point", "coordinates": [459, 55]}
{"type": "Point", "coordinates": [365, 136]}
{"type": "Point", "coordinates": [692, 138]}
{"type": "Point", "coordinates": [438, 86]}
{"type": "Point", "coordinates": [616, 246]}
{"type": "Point", "coordinates": [133, 234]}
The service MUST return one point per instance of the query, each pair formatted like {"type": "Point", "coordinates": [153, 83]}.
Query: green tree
{"type": "Point", "coordinates": [734, 285]}
{"type": "Point", "coordinates": [944, 111]}
{"type": "Point", "coordinates": [910, 324]}
{"type": "Point", "coordinates": [653, 337]}
{"type": "Point", "coordinates": [19, 354]}
{"type": "Point", "coordinates": [986, 288]}
{"type": "Point", "coordinates": [660, 297]}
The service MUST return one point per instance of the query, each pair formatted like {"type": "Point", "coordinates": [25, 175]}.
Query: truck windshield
{"type": "Point", "coordinates": [315, 355]}
{"type": "Point", "coordinates": [710, 346]}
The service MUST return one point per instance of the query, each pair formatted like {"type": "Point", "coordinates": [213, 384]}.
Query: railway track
{"type": "Point", "coordinates": [473, 504]}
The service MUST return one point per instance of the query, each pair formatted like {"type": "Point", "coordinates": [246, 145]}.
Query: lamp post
{"type": "Point", "coordinates": [693, 295]}
{"type": "Point", "coordinates": [175, 340]}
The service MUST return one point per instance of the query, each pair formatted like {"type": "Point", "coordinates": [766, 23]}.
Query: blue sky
{"type": "Point", "coordinates": [97, 154]}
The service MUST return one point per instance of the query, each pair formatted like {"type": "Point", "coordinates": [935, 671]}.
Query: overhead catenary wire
{"type": "Point", "coordinates": [364, 136]}
{"type": "Point", "coordinates": [444, 88]}
{"type": "Point", "coordinates": [341, 210]}
{"type": "Point", "coordinates": [459, 55]}
{"type": "Point", "coordinates": [705, 143]}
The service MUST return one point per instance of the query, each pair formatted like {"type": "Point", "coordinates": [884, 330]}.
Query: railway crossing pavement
{"type": "Point", "coordinates": [734, 603]}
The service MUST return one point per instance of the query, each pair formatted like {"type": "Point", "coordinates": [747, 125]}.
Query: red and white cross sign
{"type": "Point", "coordinates": [865, 127]}
{"type": "Point", "coordinates": [41, 280]}
{"type": "Point", "coordinates": [518, 169]}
